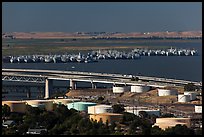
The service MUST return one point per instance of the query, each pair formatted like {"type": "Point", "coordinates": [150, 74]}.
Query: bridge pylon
{"type": "Point", "coordinates": [48, 87]}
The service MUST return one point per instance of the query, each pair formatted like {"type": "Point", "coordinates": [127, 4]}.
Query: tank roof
{"type": "Point", "coordinates": [108, 114]}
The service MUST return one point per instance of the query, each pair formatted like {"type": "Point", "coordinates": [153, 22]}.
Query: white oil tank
{"type": "Point", "coordinates": [119, 89]}
{"type": "Point", "coordinates": [167, 92]}
{"type": "Point", "coordinates": [198, 109]}
{"type": "Point", "coordinates": [140, 89]}
{"type": "Point", "coordinates": [100, 109]}
{"type": "Point", "coordinates": [183, 98]}
{"type": "Point", "coordinates": [192, 95]}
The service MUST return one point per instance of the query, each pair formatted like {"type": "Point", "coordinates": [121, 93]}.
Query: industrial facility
{"type": "Point", "coordinates": [136, 110]}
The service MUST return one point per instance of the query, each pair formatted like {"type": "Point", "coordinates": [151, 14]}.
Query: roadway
{"type": "Point", "coordinates": [94, 77]}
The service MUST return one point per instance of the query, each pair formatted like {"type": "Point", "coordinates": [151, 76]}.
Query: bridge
{"type": "Point", "coordinates": [47, 77]}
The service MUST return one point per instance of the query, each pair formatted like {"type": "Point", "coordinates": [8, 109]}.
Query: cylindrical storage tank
{"type": "Point", "coordinates": [110, 117]}
{"type": "Point", "coordinates": [16, 106]}
{"type": "Point", "coordinates": [192, 95]}
{"type": "Point", "coordinates": [183, 98]}
{"type": "Point", "coordinates": [198, 109]}
{"type": "Point", "coordinates": [119, 89]}
{"type": "Point", "coordinates": [167, 92]}
{"type": "Point", "coordinates": [47, 104]}
{"type": "Point", "coordinates": [100, 109]}
{"type": "Point", "coordinates": [65, 101]}
{"type": "Point", "coordinates": [80, 106]}
{"type": "Point", "coordinates": [140, 89]}
{"type": "Point", "coordinates": [164, 123]}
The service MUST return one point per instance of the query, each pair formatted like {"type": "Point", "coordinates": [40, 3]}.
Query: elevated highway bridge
{"type": "Point", "coordinates": [47, 76]}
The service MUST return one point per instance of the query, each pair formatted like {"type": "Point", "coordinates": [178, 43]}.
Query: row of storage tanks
{"type": "Point", "coordinates": [137, 89]}
{"type": "Point", "coordinates": [186, 97]}
{"type": "Point", "coordinates": [20, 106]}
{"type": "Point", "coordinates": [96, 112]}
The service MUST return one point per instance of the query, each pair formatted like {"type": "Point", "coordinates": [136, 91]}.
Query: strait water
{"type": "Point", "coordinates": [179, 67]}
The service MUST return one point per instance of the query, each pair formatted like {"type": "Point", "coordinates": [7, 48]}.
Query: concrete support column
{"type": "Point", "coordinates": [28, 92]}
{"type": "Point", "coordinates": [93, 85]}
{"type": "Point", "coordinates": [48, 87]}
{"type": "Point", "coordinates": [114, 84]}
{"type": "Point", "coordinates": [72, 84]}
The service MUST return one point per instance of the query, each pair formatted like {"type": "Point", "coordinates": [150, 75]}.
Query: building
{"type": "Point", "coordinates": [136, 110]}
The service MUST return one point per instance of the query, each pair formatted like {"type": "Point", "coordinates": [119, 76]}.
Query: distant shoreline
{"type": "Point", "coordinates": [56, 46]}
{"type": "Point", "coordinates": [103, 35]}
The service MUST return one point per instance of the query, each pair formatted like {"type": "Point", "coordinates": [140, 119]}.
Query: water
{"type": "Point", "coordinates": [178, 67]}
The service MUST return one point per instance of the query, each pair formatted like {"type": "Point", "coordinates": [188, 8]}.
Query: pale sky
{"type": "Point", "coordinates": [101, 16]}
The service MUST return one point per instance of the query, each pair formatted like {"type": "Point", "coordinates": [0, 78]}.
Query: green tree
{"type": "Point", "coordinates": [129, 117]}
{"type": "Point", "coordinates": [6, 110]}
{"type": "Point", "coordinates": [48, 119]}
{"type": "Point", "coordinates": [157, 131]}
{"type": "Point", "coordinates": [33, 110]}
{"type": "Point", "coordinates": [17, 117]}
{"type": "Point", "coordinates": [100, 98]}
{"type": "Point", "coordinates": [143, 114]}
{"type": "Point", "coordinates": [167, 115]}
{"type": "Point", "coordinates": [74, 130]}
{"type": "Point", "coordinates": [146, 127]}
{"type": "Point", "coordinates": [190, 87]}
{"type": "Point", "coordinates": [118, 108]}
{"type": "Point", "coordinates": [179, 130]}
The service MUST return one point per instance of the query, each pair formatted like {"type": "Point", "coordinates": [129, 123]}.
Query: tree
{"type": "Point", "coordinates": [118, 108]}
{"type": "Point", "coordinates": [157, 131]}
{"type": "Point", "coordinates": [33, 110]}
{"type": "Point", "coordinates": [167, 115]}
{"type": "Point", "coordinates": [100, 99]}
{"type": "Point", "coordinates": [129, 117]}
{"type": "Point", "coordinates": [143, 114]}
{"type": "Point", "coordinates": [190, 87]}
{"type": "Point", "coordinates": [62, 111]}
{"type": "Point", "coordinates": [6, 110]}
{"type": "Point", "coordinates": [179, 130]}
